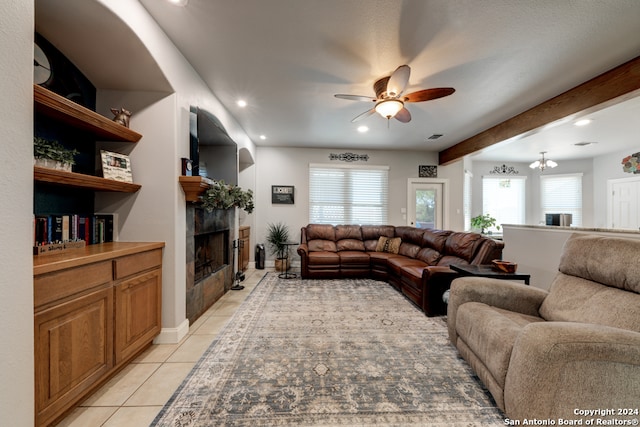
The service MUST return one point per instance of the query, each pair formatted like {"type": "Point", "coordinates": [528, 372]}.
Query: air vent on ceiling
{"type": "Point", "coordinates": [435, 136]}
{"type": "Point", "coordinates": [583, 143]}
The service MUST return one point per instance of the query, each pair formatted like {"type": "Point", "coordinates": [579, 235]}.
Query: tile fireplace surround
{"type": "Point", "coordinates": [214, 274]}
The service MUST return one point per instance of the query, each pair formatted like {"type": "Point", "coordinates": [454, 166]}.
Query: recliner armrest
{"type": "Point", "coordinates": [556, 367]}
{"type": "Point", "coordinates": [303, 249]}
{"type": "Point", "coordinates": [494, 292]}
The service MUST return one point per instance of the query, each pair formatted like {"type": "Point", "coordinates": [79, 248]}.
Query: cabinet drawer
{"type": "Point", "coordinates": [132, 264]}
{"type": "Point", "coordinates": [55, 286]}
{"type": "Point", "coordinates": [244, 232]}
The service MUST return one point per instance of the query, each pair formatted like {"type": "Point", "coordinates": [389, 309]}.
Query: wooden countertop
{"type": "Point", "coordinates": [43, 264]}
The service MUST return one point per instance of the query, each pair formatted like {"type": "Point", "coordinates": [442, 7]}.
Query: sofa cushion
{"type": "Point", "coordinates": [323, 258]}
{"type": "Point", "coordinates": [462, 245]}
{"type": "Point", "coordinates": [575, 299]}
{"type": "Point", "coordinates": [321, 238]}
{"type": "Point", "coordinates": [388, 244]}
{"type": "Point", "coordinates": [350, 245]}
{"type": "Point", "coordinates": [354, 258]}
{"type": "Point", "coordinates": [587, 256]}
{"type": "Point", "coordinates": [321, 245]}
{"type": "Point", "coordinates": [490, 333]}
{"type": "Point", "coordinates": [429, 256]}
{"type": "Point", "coordinates": [348, 232]}
{"type": "Point", "coordinates": [435, 239]}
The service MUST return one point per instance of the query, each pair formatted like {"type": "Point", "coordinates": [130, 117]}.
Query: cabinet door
{"type": "Point", "coordinates": [138, 308]}
{"type": "Point", "coordinates": [73, 350]}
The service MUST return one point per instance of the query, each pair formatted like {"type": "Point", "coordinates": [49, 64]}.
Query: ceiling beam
{"type": "Point", "coordinates": [611, 87]}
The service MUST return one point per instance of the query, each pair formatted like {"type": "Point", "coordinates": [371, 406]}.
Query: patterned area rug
{"type": "Point", "coordinates": [330, 353]}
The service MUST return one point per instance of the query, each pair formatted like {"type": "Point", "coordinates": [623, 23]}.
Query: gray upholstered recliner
{"type": "Point", "coordinates": [547, 354]}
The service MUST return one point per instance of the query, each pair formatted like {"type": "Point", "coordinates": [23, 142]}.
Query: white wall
{"type": "Point", "coordinates": [290, 166]}
{"type": "Point", "coordinates": [16, 211]}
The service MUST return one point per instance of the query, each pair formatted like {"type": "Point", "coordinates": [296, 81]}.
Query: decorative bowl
{"type": "Point", "coordinates": [506, 266]}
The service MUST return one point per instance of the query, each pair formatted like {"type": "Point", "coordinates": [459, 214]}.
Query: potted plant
{"type": "Point", "coordinates": [51, 154]}
{"type": "Point", "coordinates": [224, 196]}
{"type": "Point", "coordinates": [483, 222]}
{"type": "Point", "coordinates": [277, 236]}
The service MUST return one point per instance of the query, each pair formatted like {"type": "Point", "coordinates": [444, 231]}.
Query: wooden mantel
{"type": "Point", "coordinates": [194, 187]}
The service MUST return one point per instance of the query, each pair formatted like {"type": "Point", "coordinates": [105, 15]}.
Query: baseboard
{"type": "Point", "coordinates": [173, 335]}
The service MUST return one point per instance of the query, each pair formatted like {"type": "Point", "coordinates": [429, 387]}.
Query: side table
{"type": "Point", "coordinates": [286, 274]}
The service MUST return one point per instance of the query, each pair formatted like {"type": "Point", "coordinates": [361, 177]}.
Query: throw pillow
{"type": "Point", "coordinates": [388, 244]}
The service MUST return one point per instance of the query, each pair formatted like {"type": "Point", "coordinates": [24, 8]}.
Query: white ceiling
{"type": "Point", "coordinates": [287, 58]}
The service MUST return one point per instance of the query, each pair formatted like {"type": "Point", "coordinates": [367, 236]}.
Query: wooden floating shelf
{"type": "Point", "coordinates": [73, 114]}
{"type": "Point", "coordinates": [79, 180]}
{"type": "Point", "coordinates": [194, 187]}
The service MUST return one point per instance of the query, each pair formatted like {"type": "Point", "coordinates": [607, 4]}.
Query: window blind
{"type": "Point", "coordinates": [562, 194]}
{"type": "Point", "coordinates": [504, 199]}
{"type": "Point", "coordinates": [346, 194]}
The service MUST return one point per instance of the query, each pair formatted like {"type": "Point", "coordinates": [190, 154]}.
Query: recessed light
{"type": "Point", "coordinates": [241, 103]}
{"type": "Point", "coordinates": [263, 137]}
{"type": "Point", "coordinates": [363, 129]}
{"type": "Point", "coordinates": [582, 122]}
{"type": "Point", "coordinates": [182, 3]}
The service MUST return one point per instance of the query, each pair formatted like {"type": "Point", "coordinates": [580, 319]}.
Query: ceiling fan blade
{"type": "Point", "coordinates": [398, 81]}
{"type": "Point", "coordinates": [363, 115]}
{"type": "Point", "coordinates": [403, 115]}
{"type": "Point", "coordinates": [429, 94]}
{"type": "Point", "coordinates": [355, 97]}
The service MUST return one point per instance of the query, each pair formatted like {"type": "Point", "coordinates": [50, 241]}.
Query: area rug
{"type": "Point", "coordinates": [330, 353]}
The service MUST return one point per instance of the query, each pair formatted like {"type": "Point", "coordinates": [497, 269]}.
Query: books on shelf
{"type": "Point", "coordinates": [91, 229]}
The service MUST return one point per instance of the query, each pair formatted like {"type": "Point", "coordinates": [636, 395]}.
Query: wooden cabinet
{"type": "Point", "coordinates": [73, 350]}
{"type": "Point", "coordinates": [245, 247]}
{"type": "Point", "coordinates": [95, 309]}
{"type": "Point", "coordinates": [137, 313]}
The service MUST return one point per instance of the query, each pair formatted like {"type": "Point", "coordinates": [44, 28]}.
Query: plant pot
{"type": "Point", "coordinates": [282, 264]}
{"type": "Point", "coordinates": [52, 164]}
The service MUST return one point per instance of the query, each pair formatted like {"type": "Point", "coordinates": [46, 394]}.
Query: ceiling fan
{"type": "Point", "coordinates": [390, 99]}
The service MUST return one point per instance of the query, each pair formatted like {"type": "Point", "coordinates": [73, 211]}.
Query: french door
{"type": "Point", "coordinates": [425, 207]}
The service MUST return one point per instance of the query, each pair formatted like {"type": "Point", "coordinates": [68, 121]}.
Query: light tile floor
{"type": "Point", "coordinates": [136, 394]}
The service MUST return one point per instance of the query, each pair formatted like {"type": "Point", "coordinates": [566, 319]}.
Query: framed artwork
{"type": "Point", "coordinates": [116, 166]}
{"type": "Point", "coordinates": [427, 171]}
{"type": "Point", "coordinates": [282, 194]}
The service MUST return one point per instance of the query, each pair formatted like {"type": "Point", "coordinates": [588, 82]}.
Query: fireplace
{"type": "Point", "coordinates": [209, 258]}
{"type": "Point", "coordinates": [211, 253]}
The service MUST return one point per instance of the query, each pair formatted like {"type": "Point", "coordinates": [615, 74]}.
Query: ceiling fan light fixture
{"type": "Point", "coordinates": [543, 163]}
{"type": "Point", "coordinates": [389, 108]}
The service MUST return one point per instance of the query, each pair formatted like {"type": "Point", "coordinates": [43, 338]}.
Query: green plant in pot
{"type": "Point", "coordinates": [224, 196]}
{"type": "Point", "coordinates": [51, 154]}
{"type": "Point", "coordinates": [483, 222]}
{"type": "Point", "coordinates": [277, 236]}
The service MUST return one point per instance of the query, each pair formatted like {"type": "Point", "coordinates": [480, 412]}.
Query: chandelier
{"type": "Point", "coordinates": [543, 163]}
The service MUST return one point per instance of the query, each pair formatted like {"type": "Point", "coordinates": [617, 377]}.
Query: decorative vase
{"type": "Point", "coordinates": [52, 164]}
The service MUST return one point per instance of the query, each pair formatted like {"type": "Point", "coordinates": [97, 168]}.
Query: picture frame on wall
{"type": "Point", "coordinates": [116, 166]}
{"type": "Point", "coordinates": [427, 171]}
{"type": "Point", "coordinates": [282, 194]}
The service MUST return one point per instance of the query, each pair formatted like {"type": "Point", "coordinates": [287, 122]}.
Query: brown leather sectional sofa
{"type": "Point", "coordinates": [419, 269]}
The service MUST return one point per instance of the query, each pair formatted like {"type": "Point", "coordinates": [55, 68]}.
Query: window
{"type": "Point", "coordinates": [346, 194]}
{"type": "Point", "coordinates": [562, 194]}
{"type": "Point", "coordinates": [504, 199]}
